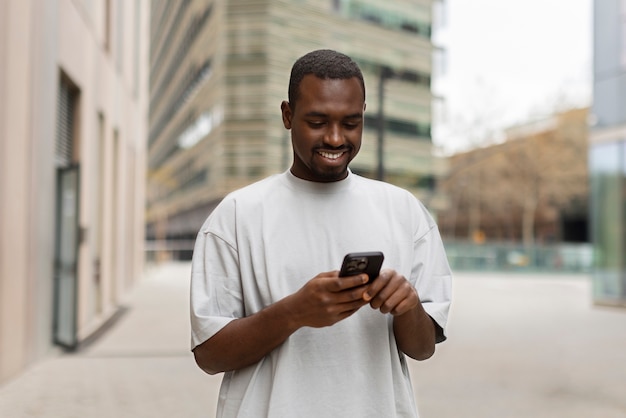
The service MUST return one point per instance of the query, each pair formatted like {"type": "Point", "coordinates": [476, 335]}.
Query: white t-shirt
{"type": "Point", "coordinates": [264, 242]}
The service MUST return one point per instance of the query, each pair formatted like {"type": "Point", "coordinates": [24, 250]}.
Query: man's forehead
{"type": "Point", "coordinates": [312, 84]}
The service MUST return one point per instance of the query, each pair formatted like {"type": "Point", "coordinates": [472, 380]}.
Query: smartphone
{"type": "Point", "coordinates": [357, 263]}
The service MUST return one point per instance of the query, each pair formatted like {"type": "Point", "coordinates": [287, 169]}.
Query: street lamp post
{"type": "Point", "coordinates": [385, 73]}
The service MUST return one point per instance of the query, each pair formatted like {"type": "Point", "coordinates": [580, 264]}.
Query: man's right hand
{"type": "Point", "coordinates": [322, 301]}
{"type": "Point", "coordinates": [326, 299]}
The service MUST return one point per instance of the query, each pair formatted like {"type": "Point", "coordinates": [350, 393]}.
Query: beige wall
{"type": "Point", "coordinates": [39, 40]}
{"type": "Point", "coordinates": [14, 180]}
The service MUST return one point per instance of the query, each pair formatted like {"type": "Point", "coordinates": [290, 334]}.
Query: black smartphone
{"type": "Point", "coordinates": [357, 263]}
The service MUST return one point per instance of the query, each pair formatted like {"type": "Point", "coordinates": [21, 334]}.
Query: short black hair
{"type": "Point", "coordinates": [324, 64]}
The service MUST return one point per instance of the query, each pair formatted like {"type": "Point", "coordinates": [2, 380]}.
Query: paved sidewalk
{"type": "Point", "coordinates": [526, 346]}
{"type": "Point", "coordinates": [141, 367]}
{"type": "Point", "coordinates": [520, 346]}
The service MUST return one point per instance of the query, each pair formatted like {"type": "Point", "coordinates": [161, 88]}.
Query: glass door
{"type": "Point", "coordinates": [66, 257]}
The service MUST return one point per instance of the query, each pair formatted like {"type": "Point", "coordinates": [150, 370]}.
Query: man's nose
{"type": "Point", "coordinates": [334, 136]}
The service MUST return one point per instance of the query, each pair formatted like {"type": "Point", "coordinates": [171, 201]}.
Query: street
{"type": "Point", "coordinates": [519, 345]}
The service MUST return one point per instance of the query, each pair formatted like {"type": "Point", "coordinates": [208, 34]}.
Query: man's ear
{"type": "Point", "coordinates": [286, 112]}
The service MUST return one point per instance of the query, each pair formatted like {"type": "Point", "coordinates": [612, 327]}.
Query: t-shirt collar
{"type": "Point", "coordinates": [318, 187]}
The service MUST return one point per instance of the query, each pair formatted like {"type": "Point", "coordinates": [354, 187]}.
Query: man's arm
{"type": "Point", "coordinates": [413, 328]}
{"type": "Point", "coordinates": [415, 333]}
{"type": "Point", "coordinates": [245, 341]}
{"type": "Point", "coordinates": [323, 301]}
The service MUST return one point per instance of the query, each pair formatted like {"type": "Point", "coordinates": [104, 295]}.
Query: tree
{"type": "Point", "coordinates": [539, 170]}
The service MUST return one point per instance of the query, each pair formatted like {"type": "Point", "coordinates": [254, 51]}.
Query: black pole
{"type": "Point", "coordinates": [385, 73]}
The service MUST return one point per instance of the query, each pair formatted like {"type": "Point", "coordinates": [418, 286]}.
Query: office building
{"type": "Point", "coordinates": [73, 123]}
{"type": "Point", "coordinates": [219, 71]}
{"type": "Point", "coordinates": [607, 149]}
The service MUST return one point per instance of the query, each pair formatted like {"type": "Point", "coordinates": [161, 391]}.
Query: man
{"type": "Point", "coordinates": [267, 304]}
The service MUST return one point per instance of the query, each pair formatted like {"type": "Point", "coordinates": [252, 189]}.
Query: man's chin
{"type": "Point", "coordinates": [329, 175]}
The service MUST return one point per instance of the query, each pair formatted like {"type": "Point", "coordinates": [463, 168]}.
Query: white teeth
{"type": "Point", "coordinates": [330, 155]}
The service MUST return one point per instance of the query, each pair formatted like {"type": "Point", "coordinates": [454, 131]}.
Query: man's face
{"type": "Point", "coordinates": [326, 127]}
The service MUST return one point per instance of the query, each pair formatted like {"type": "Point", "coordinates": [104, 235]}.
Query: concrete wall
{"type": "Point", "coordinates": [39, 42]}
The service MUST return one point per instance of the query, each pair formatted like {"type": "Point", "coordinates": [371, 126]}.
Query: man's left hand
{"type": "Point", "coordinates": [391, 293]}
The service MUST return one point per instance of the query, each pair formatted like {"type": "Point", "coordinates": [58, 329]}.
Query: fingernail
{"type": "Point", "coordinates": [366, 297]}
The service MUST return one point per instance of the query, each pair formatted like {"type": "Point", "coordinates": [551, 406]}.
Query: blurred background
{"type": "Point", "coordinates": [124, 122]}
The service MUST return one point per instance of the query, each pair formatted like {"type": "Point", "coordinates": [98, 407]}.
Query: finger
{"type": "Point", "coordinates": [348, 308]}
{"type": "Point", "coordinates": [401, 300]}
{"type": "Point", "coordinates": [377, 285]}
{"type": "Point", "coordinates": [402, 308]}
{"type": "Point", "coordinates": [391, 302]}
{"type": "Point", "coordinates": [390, 286]}
{"type": "Point", "coordinates": [349, 282]}
{"type": "Point", "coordinates": [331, 281]}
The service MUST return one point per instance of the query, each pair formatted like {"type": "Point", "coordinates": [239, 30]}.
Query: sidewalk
{"type": "Point", "coordinates": [519, 346]}
{"type": "Point", "coordinates": [526, 346]}
{"type": "Point", "coordinates": [141, 367]}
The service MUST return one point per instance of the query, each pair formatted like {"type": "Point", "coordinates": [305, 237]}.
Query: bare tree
{"type": "Point", "coordinates": [541, 168]}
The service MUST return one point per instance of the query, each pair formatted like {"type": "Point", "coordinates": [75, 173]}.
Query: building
{"type": "Point", "coordinates": [607, 149]}
{"type": "Point", "coordinates": [73, 123]}
{"type": "Point", "coordinates": [219, 71]}
{"type": "Point", "coordinates": [530, 188]}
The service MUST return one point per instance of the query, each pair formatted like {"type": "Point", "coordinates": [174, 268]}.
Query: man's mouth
{"type": "Point", "coordinates": [331, 155]}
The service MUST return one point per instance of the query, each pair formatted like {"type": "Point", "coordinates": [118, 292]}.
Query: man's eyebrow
{"type": "Point", "coordinates": [315, 114]}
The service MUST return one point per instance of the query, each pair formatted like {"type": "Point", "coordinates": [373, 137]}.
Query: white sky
{"type": "Point", "coordinates": [510, 61]}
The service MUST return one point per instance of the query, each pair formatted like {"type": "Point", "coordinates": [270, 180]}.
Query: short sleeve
{"type": "Point", "coordinates": [216, 295]}
{"type": "Point", "coordinates": [433, 278]}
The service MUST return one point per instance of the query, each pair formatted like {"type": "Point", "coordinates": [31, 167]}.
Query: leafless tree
{"type": "Point", "coordinates": [540, 169]}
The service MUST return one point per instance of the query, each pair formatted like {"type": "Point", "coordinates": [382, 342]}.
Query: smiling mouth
{"type": "Point", "coordinates": [331, 155]}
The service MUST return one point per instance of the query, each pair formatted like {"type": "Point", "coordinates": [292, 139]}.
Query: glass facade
{"type": "Point", "coordinates": [607, 164]}
{"type": "Point", "coordinates": [219, 71]}
{"type": "Point", "coordinates": [607, 153]}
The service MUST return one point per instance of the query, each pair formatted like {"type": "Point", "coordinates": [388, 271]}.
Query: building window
{"type": "Point", "coordinates": [608, 210]}
{"type": "Point", "coordinates": [186, 90]}
{"type": "Point", "coordinates": [137, 48]}
{"type": "Point", "coordinates": [386, 18]}
{"type": "Point", "coordinates": [67, 98]}
{"type": "Point", "coordinates": [623, 30]}
{"type": "Point", "coordinates": [400, 126]}
{"type": "Point", "coordinates": [107, 25]}
{"type": "Point", "coordinates": [119, 33]}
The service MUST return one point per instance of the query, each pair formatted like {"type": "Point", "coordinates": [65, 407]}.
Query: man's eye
{"type": "Point", "coordinates": [351, 125]}
{"type": "Point", "coordinates": [315, 124]}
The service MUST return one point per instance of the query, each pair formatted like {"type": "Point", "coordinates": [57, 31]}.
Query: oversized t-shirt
{"type": "Point", "coordinates": [264, 242]}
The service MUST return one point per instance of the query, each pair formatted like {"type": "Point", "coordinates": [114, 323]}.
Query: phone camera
{"type": "Point", "coordinates": [358, 264]}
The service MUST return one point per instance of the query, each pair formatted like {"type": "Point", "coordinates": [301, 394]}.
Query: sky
{"type": "Point", "coordinates": [509, 62]}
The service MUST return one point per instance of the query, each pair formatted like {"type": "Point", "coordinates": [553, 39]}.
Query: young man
{"type": "Point", "coordinates": [267, 304]}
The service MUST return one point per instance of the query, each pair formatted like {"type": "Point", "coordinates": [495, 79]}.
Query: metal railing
{"type": "Point", "coordinates": [462, 256]}
{"type": "Point", "coordinates": [558, 257]}
{"type": "Point", "coordinates": [160, 250]}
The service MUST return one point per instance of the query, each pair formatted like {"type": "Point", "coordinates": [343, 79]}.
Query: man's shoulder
{"type": "Point", "coordinates": [257, 189]}
{"type": "Point", "coordinates": [403, 199]}
{"type": "Point", "coordinates": [245, 199]}
{"type": "Point", "coordinates": [383, 187]}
